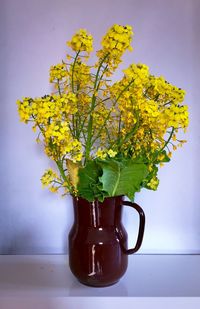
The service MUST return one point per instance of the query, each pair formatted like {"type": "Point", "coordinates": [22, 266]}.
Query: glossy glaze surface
{"type": "Point", "coordinates": [98, 254]}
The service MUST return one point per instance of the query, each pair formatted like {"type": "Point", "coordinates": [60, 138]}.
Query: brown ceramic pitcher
{"type": "Point", "coordinates": [98, 254]}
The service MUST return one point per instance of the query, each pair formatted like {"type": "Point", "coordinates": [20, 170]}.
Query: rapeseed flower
{"type": "Point", "coordinates": [87, 118]}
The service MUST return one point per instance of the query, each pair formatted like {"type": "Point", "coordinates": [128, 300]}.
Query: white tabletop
{"type": "Point", "coordinates": [147, 276]}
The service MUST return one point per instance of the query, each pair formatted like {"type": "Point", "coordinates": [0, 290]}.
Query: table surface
{"type": "Point", "coordinates": [147, 276]}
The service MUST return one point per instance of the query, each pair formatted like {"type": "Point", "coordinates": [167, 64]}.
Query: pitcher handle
{"type": "Point", "coordinates": [141, 227]}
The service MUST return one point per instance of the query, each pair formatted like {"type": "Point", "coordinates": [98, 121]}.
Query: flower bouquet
{"type": "Point", "coordinates": [107, 140]}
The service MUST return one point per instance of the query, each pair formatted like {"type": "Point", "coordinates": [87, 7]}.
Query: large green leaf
{"type": "Point", "coordinates": [89, 186]}
{"type": "Point", "coordinates": [122, 178]}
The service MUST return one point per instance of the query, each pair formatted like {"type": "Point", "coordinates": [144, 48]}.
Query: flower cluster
{"type": "Point", "coordinates": [92, 127]}
{"type": "Point", "coordinates": [81, 41]}
{"type": "Point", "coordinates": [116, 41]}
{"type": "Point", "coordinates": [52, 115]}
{"type": "Point", "coordinates": [57, 72]}
{"type": "Point", "coordinates": [147, 109]}
{"type": "Point", "coordinates": [50, 179]}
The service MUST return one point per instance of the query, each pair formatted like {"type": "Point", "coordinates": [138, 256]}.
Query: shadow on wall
{"type": "Point", "coordinates": [10, 246]}
{"type": "Point", "coordinates": [26, 243]}
{"type": "Point", "coordinates": [32, 220]}
{"type": "Point", "coordinates": [48, 235]}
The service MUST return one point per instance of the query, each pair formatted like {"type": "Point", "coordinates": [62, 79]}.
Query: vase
{"type": "Point", "coordinates": [98, 253]}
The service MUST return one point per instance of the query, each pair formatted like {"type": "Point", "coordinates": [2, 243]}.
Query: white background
{"type": "Point", "coordinates": [33, 37]}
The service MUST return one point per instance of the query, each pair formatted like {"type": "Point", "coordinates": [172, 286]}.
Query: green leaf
{"type": "Point", "coordinates": [88, 185]}
{"type": "Point", "coordinates": [122, 178]}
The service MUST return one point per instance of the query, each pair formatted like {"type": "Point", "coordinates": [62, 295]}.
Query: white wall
{"type": "Point", "coordinates": [33, 36]}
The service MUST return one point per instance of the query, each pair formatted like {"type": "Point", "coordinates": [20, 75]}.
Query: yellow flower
{"type": "Point", "coordinates": [153, 183]}
{"type": "Point", "coordinates": [112, 153]}
{"type": "Point", "coordinates": [138, 72]}
{"type": "Point", "coordinates": [53, 189]}
{"type": "Point", "coordinates": [48, 177]}
{"type": "Point", "coordinates": [101, 154]}
{"type": "Point", "coordinates": [25, 109]}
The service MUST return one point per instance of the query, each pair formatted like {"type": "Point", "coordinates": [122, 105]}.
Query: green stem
{"type": "Point", "coordinates": [73, 66]}
{"type": "Point", "coordinates": [62, 173]}
{"type": "Point", "coordinates": [108, 116]}
{"type": "Point", "coordinates": [125, 88]}
{"type": "Point", "coordinates": [59, 90]}
{"type": "Point", "coordinates": [108, 134]}
{"type": "Point", "coordinates": [61, 170]}
{"type": "Point", "coordinates": [106, 99]}
{"type": "Point", "coordinates": [119, 126]}
{"type": "Point", "coordinates": [167, 103]}
{"type": "Point", "coordinates": [57, 182]}
{"type": "Point", "coordinates": [82, 126]}
{"type": "Point", "coordinates": [165, 145]}
{"type": "Point", "coordinates": [100, 79]}
{"type": "Point", "coordinates": [90, 122]}
{"type": "Point", "coordinates": [73, 90]}
{"type": "Point", "coordinates": [131, 133]}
